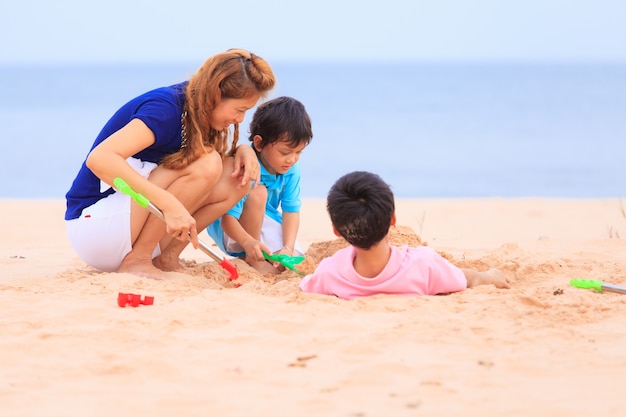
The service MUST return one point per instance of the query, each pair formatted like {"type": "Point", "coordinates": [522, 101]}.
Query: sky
{"type": "Point", "coordinates": [79, 31]}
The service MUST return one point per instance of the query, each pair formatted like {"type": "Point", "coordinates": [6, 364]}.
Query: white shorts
{"type": "Point", "coordinates": [101, 235]}
{"type": "Point", "coordinates": [271, 236]}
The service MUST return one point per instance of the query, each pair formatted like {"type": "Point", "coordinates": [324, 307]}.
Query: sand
{"type": "Point", "coordinates": [209, 348]}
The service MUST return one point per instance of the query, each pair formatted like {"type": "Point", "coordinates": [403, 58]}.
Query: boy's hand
{"type": "Point", "coordinates": [254, 250]}
{"type": "Point", "coordinates": [283, 251]}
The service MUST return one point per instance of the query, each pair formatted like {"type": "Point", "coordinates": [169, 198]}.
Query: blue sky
{"type": "Point", "coordinates": [190, 30]}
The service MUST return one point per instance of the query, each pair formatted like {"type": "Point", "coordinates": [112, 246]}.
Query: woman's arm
{"type": "Point", "coordinates": [108, 161]}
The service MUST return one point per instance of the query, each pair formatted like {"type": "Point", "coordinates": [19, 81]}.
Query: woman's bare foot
{"type": "Point", "coordinates": [141, 267]}
{"type": "Point", "coordinates": [167, 263]}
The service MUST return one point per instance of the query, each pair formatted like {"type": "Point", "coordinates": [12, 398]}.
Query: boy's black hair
{"type": "Point", "coordinates": [361, 205]}
{"type": "Point", "coordinates": [282, 118]}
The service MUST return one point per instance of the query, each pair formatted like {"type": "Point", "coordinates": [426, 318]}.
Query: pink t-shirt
{"type": "Point", "coordinates": [410, 271]}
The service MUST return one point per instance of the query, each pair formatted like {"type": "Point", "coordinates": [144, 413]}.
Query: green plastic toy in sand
{"type": "Point", "coordinates": [596, 284]}
{"type": "Point", "coordinates": [287, 261]}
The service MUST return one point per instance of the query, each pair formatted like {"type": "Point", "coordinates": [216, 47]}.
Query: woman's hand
{"type": "Point", "coordinates": [181, 226]}
{"type": "Point", "coordinates": [247, 166]}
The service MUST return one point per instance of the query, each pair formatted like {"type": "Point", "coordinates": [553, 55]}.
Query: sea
{"type": "Point", "coordinates": [429, 129]}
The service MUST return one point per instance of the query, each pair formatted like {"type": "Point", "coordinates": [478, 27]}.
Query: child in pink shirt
{"type": "Point", "coordinates": [362, 209]}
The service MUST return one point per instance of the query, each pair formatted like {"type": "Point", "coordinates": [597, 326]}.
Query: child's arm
{"type": "Point", "coordinates": [291, 224]}
{"type": "Point", "coordinates": [251, 246]}
{"type": "Point", "coordinates": [492, 276]}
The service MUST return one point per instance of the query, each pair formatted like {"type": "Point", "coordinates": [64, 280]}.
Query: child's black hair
{"type": "Point", "coordinates": [361, 206]}
{"type": "Point", "coordinates": [282, 118]}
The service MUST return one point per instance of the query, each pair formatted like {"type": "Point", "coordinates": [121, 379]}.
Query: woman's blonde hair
{"type": "Point", "coordinates": [235, 73]}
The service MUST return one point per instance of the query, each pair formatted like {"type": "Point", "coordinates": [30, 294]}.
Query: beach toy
{"type": "Point", "coordinates": [123, 299]}
{"type": "Point", "coordinates": [286, 261]}
{"type": "Point", "coordinates": [121, 185]}
{"type": "Point", "coordinates": [596, 284]}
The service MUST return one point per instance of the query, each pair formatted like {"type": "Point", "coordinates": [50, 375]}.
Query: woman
{"type": "Point", "coordinates": [171, 145]}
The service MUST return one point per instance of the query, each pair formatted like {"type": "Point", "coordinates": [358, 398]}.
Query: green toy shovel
{"type": "Point", "coordinates": [286, 261]}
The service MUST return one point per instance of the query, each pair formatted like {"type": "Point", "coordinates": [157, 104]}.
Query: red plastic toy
{"type": "Point", "coordinates": [134, 300]}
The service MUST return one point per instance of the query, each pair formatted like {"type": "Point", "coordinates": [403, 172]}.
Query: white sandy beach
{"type": "Point", "coordinates": [208, 348]}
